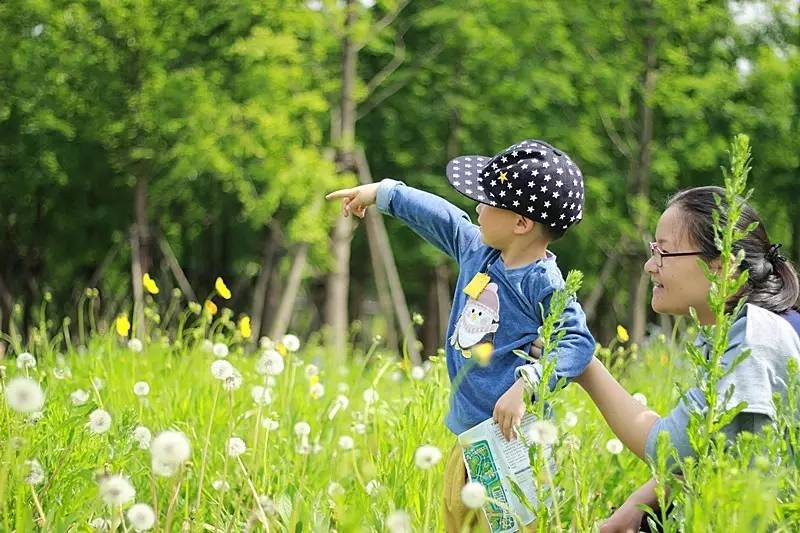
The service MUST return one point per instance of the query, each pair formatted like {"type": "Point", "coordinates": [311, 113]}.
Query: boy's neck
{"type": "Point", "coordinates": [520, 253]}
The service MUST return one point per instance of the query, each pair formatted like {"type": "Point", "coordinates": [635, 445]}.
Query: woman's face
{"type": "Point", "coordinates": [680, 282]}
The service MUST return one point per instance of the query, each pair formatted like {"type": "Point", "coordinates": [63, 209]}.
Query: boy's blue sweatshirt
{"type": "Point", "coordinates": [507, 312]}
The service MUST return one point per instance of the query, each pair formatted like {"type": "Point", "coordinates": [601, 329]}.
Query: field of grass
{"type": "Point", "coordinates": [322, 447]}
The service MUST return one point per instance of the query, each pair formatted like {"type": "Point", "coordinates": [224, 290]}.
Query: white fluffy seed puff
{"type": "Point", "coordinates": [24, 395]}
{"type": "Point", "coordinates": [116, 490]}
{"type": "Point", "coordinates": [270, 363]}
{"type": "Point", "coordinates": [473, 495]}
{"type": "Point", "coordinates": [170, 449]}
{"type": "Point", "coordinates": [399, 522]}
{"type": "Point", "coordinates": [141, 516]}
{"type": "Point", "coordinates": [427, 456]}
{"type": "Point", "coordinates": [135, 345]}
{"type": "Point", "coordinates": [99, 421]}
{"type": "Point", "coordinates": [346, 442]}
{"type": "Point", "coordinates": [235, 447]}
{"type": "Point", "coordinates": [26, 360]}
{"type": "Point", "coordinates": [614, 446]}
{"type": "Point", "coordinates": [142, 436]}
{"type": "Point", "coordinates": [291, 342]}
{"type": "Point", "coordinates": [141, 389]}
{"type": "Point", "coordinates": [220, 349]}
{"type": "Point", "coordinates": [222, 369]}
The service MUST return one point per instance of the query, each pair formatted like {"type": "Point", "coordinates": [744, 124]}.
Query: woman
{"type": "Point", "coordinates": [768, 326]}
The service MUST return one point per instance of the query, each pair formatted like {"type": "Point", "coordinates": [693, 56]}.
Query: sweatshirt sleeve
{"type": "Point", "coordinates": [434, 219]}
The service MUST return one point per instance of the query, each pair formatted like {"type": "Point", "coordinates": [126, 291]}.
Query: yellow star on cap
{"type": "Point", "coordinates": [503, 178]}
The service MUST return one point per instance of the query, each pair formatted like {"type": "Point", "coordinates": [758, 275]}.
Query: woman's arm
{"type": "Point", "coordinates": [629, 420]}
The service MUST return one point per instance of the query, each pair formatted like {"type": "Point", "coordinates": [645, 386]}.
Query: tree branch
{"type": "Point", "coordinates": [394, 64]}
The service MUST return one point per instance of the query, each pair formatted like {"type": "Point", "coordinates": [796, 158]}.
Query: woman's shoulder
{"type": "Point", "coordinates": [766, 329]}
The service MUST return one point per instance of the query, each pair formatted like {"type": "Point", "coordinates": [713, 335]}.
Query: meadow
{"type": "Point", "coordinates": [196, 429]}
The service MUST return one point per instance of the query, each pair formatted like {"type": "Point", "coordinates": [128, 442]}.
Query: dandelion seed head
{"type": "Point", "coordinates": [614, 446]}
{"type": "Point", "coordinates": [135, 345]}
{"type": "Point", "coordinates": [98, 383]}
{"type": "Point", "coordinates": [62, 372]}
{"type": "Point", "coordinates": [265, 343]}
{"type": "Point", "coordinates": [220, 485]}
{"type": "Point", "coordinates": [543, 432]}
{"type": "Point", "coordinates": [142, 436]}
{"type": "Point", "coordinates": [79, 397]}
{"type": "Point", "coordinates": [269, 424]}
{"type": "Point", "coordinates": [396, 376]}
{"type": "Point", "coordinates": [427, 456]}
{"type": "Point", "coordinates": [26, 360]}
{"type": "Point", "coordinates": [302, 429]}
{"type": "Point", "coordinates": [221, 369]}
{"type": "Point", "coordinates": [261, 395]}
{"type": "Point", "coordinates": [207, 346]}
{"type": "Point", "coordinates": [346, 442]}
{"type": "Point", "coordinates": [473, 495]}
{"type": "Point", "coordinates": [235, 447]}
{"type": "Point", "coordinates": [572, 442]}
{"type": "Point", "coordinates": [270, 363]}
{"type": "Point", "coordinates": [372, 487]}
{"type": "Point", "coordinates": [418, 372]}
{"type": "Point", "coordinates": [220, 349]}
{"type": "Point", "coordinates": [570, 419]}
{"type": "Point", "coordinates": [24, 395]}
{"type": "Point", "coordinates": [304, 448]}
{"type": "Point", "coordinates": [99, 421]}
{"type": "Point", "coordinates": [291, 342]}
{"type": "Point", "coordinates": [359, 428]}
{"type": "Point", "coordinates": [116, 490]}
{"type": "Point", "coordinates": [163, 469]}
{"type": "Point", "coordinates": [141, 388]}
{"type": "Point", "coordinates": [141, 516]}
{"type": "Point", "coordinates": [317, 390]}
{"type": "Point", "coordinates": [233, 382]}
{"type": "Point", "coordinates": [100, 524]}
{"type": "Point", "coordinates": [399, 521]}
{"type": "Point", "coordinates": [35, 472]}
{"type": "Point", "coordinates": [311, 370]}
{"type": "Point", "coordinates": [35, 417]}
{"type": "Point", "coordinates": [335, 490]}
{"type": "Point", "coordinates": [370, 396]}
{"type": "Point", "coordinates": [171, 447]}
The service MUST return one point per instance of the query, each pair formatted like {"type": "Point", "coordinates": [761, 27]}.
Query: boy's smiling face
{"type": "Point", "coordinates": [497, 225]}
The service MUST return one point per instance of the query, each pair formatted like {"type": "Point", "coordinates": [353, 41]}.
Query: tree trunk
{"type": "Point", "coordinates": [138, 289]}
{"type": "Point", "coordinates": [143, 230]}
{"type": "Point", "coordinates": [289, 296]}
{"type": "Point", "coordinates": [592, 301]}
{"type": "Point", "coordinates": [641, 176]}
{"type": "Point", "coordinates": [260, 289]}
{"type": "Point", "coordinates": [175, 268]}
{"type": "Point", "coordinates": [272, 298]}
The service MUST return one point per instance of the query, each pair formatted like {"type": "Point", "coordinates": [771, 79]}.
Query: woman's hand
{"type": "Point", "coordinates": [357, 199]}
{"type": "Point", "coordinates": [509, 409]}
{"type": "Point", "coordinates": [626, 519]}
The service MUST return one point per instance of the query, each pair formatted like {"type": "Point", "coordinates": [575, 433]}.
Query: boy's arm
{"type": "Point", "coordinates": [436, 220]}
{"type": "Point", "coordinates": [629, 516]}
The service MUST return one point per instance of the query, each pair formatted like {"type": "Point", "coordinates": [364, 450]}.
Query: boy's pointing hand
{"type": "Point", "coordinates": [509, 409]}
{"type": "Point", "coordinates": [357, 199]}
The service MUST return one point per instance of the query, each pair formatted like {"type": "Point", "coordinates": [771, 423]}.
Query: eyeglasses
{"type": "Point", "coordinates": [659, 254]}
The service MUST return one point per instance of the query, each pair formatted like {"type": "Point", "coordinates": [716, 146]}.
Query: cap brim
{"type": "Point", "coordinates": [463, 173]}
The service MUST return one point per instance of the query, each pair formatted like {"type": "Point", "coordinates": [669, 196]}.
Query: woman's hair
{"type": "Point", "coordinates": [772, 280]}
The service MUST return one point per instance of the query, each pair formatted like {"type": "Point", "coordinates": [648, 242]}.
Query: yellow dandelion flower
{"type": "Point", "coordinates": [149, 284]}
{"type": "Point", "coordinates": [622, 333]}
{"type": "Point", "coordinates": [222, 289]}
{"type": "Point", "coordinates": [313, 379]}
{"type": "Point", "coordinates": [483, 352]}
{"type": "Point", "coordinates": [123, 325]}
{"type": "Point", "coordinates": [244, 327]}
{"type": "Point", "coordinates": [210, 307]}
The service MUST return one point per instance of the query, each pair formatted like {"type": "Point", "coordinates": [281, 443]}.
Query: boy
{"type": "Point", "coordinates": [529, 195]}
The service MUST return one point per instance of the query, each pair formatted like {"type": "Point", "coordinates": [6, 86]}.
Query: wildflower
{"type": "Point", "coordinates": [622, 333]}
{"type": "Point", "coordinates": [35, 473]}
{"type": "Point", "coordinates": [302, 429]}
{"type": "Point", "coordinates": [483, 353]}
{"type": "Point", "coordinates": [79, 397]}
{"type": "Point", "coordinates": [26, 360]}
{"type": "Point", "coordinates": [142, 436]}
{"type": "Point", "coordinates": [346, 442]}
{"type": "Point", "coordinates": [233, 382]}
{"type": "Point", "coordinates": [24, 395]}
{"type": "Point", "coordinates": [221, 369]}
{"type": "Point", "coordinates": [116, 490]}
{"type": "Point", "coordinates": [370, 396]}
{"type": "Point", "coordinates": [141, 388]}
{"type": "Point", "coordinates": [418, 372]}
{"type": "Point", "coordinates": [271, 363]}
{"type": "Point", "coordinates": [372, 487]}
{"type": "Point", "coordinates": [473, 495]}
{"type": "Point", "coordinates": [100, 524]}
{"type": "Point", "coordinates": [210, 307]}
{"type": "Point", "coordinates": [149, 284]}
{"type": "Point", "coordinates": [171, 447]}
{"type": "Point", "coordinates": [122, 325]}
{"type": "Point", "coordinates": [220, 485]}
{"type": "Point", "coordinates": [570, 419]}
{"type": "Point", "coordinates": [269, 424]}
{"type": "Point", "coordinates": [614, 446]}
{"type": "Point", "coordinates": [335, 490]}
{"type": "Point", "coordinates": [291, 342]}
{"type": "Point", "coordinates": [311, 371]}
{"type": "Point", "coordinates": [135, 345]}
{"type": "Point", "coordinates": [235, 447]}
{"type": "Point", "coordinates": [427, 456]}
{"type": "Point", "coordinates": [99, 421]}
{"type": "Point", "coordinates": [141, 516]}
{"type": "Point", "coordinates": [398, 522]}
{"type": "Point", "coordinates": [244, 327]}
{"type": "Point", "coordinates": [641, 398]}
{"type": "Point", "coordinates": [261, 395]}
{"type": "Point", "coordinates": [222, 289]}
{"type": "Point", "coordinates": [317, 390]}
{"type": "Point", "coordinates": [220, 349]}
{"type": "Point", "coordinates": [543, 432]}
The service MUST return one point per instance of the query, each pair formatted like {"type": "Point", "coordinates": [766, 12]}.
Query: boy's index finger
{"type": "Point", "coordinates": [341, 193]}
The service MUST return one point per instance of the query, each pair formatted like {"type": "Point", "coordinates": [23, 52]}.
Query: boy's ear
{"type": "Point", "coordinates": [524, 225]}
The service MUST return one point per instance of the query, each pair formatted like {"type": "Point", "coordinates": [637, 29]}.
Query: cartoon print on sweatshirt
{"type": "Point", "coordinates": [478, 322]}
